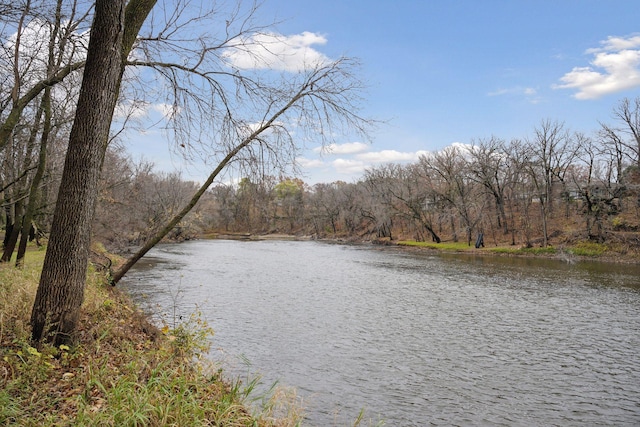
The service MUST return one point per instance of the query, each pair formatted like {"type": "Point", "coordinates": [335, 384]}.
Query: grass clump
{"type": "Point", "coordinates": [121, 371]}
{"type": "Point", "coordinates": [589, 249]}
{"type": "Point", "coordinates": [464, 247]}
{"type": "Point", "coordinates": [447, 246]}
{"type": "Point", "coordinates": [549, 250]}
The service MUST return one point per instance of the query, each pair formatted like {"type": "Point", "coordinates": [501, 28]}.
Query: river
{"type": "Point", "coordinates": [413, 338]}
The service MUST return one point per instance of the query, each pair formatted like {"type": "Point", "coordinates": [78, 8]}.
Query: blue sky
{"type": "Point", "coordinates": [443, 72]}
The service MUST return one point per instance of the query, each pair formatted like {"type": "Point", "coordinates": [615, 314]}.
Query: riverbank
{"type": "Point", "coordinates": [122, 370]}
{"type": "Point", "coordinates": [570, 250]}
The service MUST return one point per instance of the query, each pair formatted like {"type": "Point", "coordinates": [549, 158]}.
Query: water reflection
{"type": "Point", "coordinates": [415, 338]}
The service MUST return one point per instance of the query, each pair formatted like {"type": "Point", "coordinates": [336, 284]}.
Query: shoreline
{"type": "Point", "coordinates": [564, 252]}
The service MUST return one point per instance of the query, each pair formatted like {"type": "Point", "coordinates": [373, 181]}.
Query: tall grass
{"type": "Point", "coordinates": [122, 371]}
{"type": "Point", "coordinates": [549, 250]}
{"type": "Point", "coordinates": [589, 249]}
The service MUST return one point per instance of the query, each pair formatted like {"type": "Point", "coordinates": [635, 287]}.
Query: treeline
{"type": "Point", "coordinates": [554, 184]}
{"type": "Point", "coordinates": [134, 201]}
{"type": "Point", "coordinates": [521, 191]}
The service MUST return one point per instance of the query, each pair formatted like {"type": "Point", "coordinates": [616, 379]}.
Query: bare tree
{"type": "Point", "coordinates": [290, 194]}
{"type": "Point", "coordinates": [409, 196]}
{"type": "Point", "coordinates": [517, 189]}
{"type": "Point", "coordinates": [551, 150]}
{"type": "Point", "coordinates": [624, 141]}
{"type": "Point", "coordinates": [325, 204]}
{"type": "Point", "coordinates": [378, 183]}
{"type": "Point", "coordinates": [448, 170]}
{"type": "Point", "coordinates": [593, 178]}
{"type": "Point", "coordinates": [627, 112]}
{"type": "Point", "coordinates": [44, 42]}
{"type": "Point", "coordinates": [350, 198]}
{"type": "Point", "coordinates": [487, 166]}
{"type": "Point", "coordinates": [223, 211]}
{"type": "Point", "coordinates": [27, 58]}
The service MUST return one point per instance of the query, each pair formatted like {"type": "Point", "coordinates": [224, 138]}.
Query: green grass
{"type": "Point", "coordinates": [589, 249]}
{"type": "Point", "coordinates": [450, 246]}
{"type": "Point", "coordinates": [610, 251]}
{"type": "Point", "coordinates": [549, 250]}
{"type": "Point", "coordinates": [462, 247]}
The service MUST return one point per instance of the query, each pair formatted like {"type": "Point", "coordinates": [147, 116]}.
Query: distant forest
{"type": "Point", "coordinates": [551, 187]}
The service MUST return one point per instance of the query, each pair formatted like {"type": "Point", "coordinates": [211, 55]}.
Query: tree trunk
{"type": "Point", "coordinates": [545, 231]}
{"type": "Point", "coordinates": [7, 233]}
{"type": "Point", "coordinates": [61, 290]}
{"type": "Point", "coordinates": [35, 183]}
{"type": "Point", "coordinates": [454, 234]}
{"type": "Point", "coordinates": [502, 215]}
{"type": "Point", "coordinates": [11, 238]}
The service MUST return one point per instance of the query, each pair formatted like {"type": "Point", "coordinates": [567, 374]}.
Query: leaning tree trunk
{"type": "Point", "coordinates": [61, 289]}
{"type": "Point", "coordinates": [429, 228]}
{"type": "Point", "coordinates": [160, 234]}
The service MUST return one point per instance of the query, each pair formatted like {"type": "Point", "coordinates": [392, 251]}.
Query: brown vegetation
{"type": "Point", "coordinates": [121, 370]}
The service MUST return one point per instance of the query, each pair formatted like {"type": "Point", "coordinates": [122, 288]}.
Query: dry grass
{"type": "Point", "coordinates": [122, 371]}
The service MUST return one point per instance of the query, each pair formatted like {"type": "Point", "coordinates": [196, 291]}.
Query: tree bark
{"type": "Point", "coordinates": [61, 289]}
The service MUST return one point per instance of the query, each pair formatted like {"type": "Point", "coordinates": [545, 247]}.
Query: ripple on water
{"type": "Point", "coordinates": [414, 339]}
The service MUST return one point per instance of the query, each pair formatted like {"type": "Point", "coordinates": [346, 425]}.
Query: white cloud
{"type": "Point", "coordinates": [462, 146]}
{"type": "Point", "coordinates": [348, 166]}
{"type": "Point", "coordinates": [390, 156]}
{"type": "Point", "coordinates": [529, 93]}
{"type": "Point", "coordinates": [359, 151]}
{"type": "Point", "coordinates": [615, 67]}
{"type": "Point", "coordinates": [167, 110]}
{"type": "Point", "coordinates": [277, 52]}
{"type": "Point", "coordinates": [614, 44]}
{"type": "Point", "coordinates": [353, 159]}
{"type": "Point", "coordinates": [341, 149]}
{"type": "Point", "coordinates": [309, 163]}
{"type": "Point", "coordinates": [131, 110]}
{"type": "Point", "coordinates": [138, 110]}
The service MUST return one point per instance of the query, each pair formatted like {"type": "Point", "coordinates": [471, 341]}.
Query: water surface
{"type": "Point", "coordinates": [414, 338]}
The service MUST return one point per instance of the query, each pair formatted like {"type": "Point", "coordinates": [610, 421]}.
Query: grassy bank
{"type": "Point", "coordinates": [122, 371]}
{"type": "Point", "coordinates": [580, 249]}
